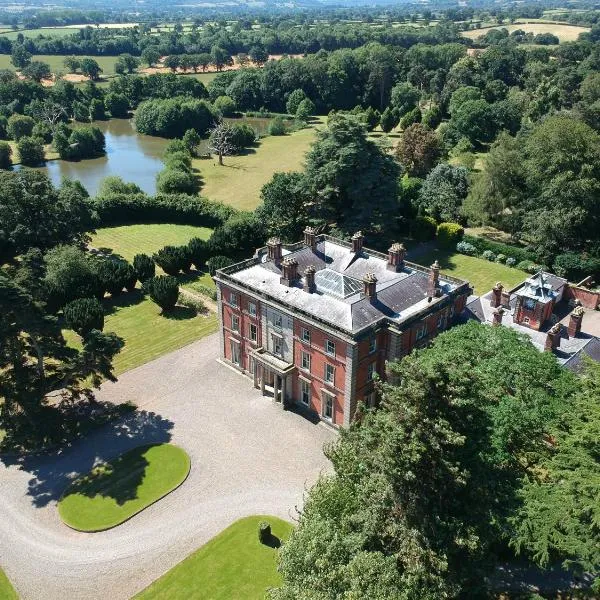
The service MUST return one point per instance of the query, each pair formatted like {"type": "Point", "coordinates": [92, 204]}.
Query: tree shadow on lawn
{"type": "Point", "coordinates": [180, 313]}
{"type": "Point", "coordinates": [272, 542]}
{"type": "Point", "coordinates": [123, 300]}
{"type": "Point", "coordinates": [443, 257]}
{"type": "Point", "coordinates": [53, 472]}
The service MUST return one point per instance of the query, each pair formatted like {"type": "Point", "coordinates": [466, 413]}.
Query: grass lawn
{"type": "Point", "coordinates": [113, 492]}
{"type": "Point", "coordinates": [7, 591]}
{"type": "Point", "coordinates": [49, 153]}
{"type": "Point", "coordinates": [234, 564]}
{"type": "Point", "coordinates": [56, 62]}
{"type": "Point", "coordinates": [129, 240]}
{"type": "Point", "coordinates": [565, 33]}
{"type": "Point", "coordinates": [481, 273]}
{"type": "Point", "coordinates": [239, 181]}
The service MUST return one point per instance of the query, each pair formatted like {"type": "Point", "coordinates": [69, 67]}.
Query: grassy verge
{"type": "Point", "coordinates": [234, 564]}
{"type": "Point", "coordinates": [239, 181]}
{"type": "Point", "coordinates": [7, 591]}
{"type": "Point", "coordinates": [116, 491]}
{"type": "Point", "coordinates": [481, 273]}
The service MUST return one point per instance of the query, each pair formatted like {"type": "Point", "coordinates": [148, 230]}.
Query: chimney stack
{"type": "Point", "coordinates": [310, 238]}
{"type": "Point", "coordinates": [497, 316]}
{"type": "Point", "coordinates": [553, 338]}
{"type": "Point", "coordinates": [275, 249]}
{"type": "Point", "coordinates": [396, 254]}
{"type": "Point", "coordinates": [496, 300]}
{"type": "Point", "coordinates": [357, 242]}
{"type": "Point", "coordinates": [309, 279]}
{"type": "Point", "coordinates": [433, 288]}
{"type": "Point", "coordinates": [370, 286]}
{"type": "Point", "coordinates": [289, 271]}
{"type": "Point", "coordinates": [505, 299]}
{"type": "Point", "coordinates": [575, 321]}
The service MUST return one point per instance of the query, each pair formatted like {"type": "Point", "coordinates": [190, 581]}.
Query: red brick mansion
{"type": "Point", "coordinates": [311, 323]}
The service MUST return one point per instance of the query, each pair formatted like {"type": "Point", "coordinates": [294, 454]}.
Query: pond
{"type": "Point", "coordinates": [132, 156]}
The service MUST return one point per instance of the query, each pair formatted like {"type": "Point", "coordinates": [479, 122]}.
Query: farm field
{"type": "Point", "coordinates": [234, 564]}
{"type": "Point", "coordinates": [565, 33]}
{"type": "Point", "coordinates": [33, 33]}
{"type": "Point", "coordinates": [482, 274]}
{"type": "Point", "coordinates": [107, 63]}
{"type": "Point", "coordinates": [239, 181]}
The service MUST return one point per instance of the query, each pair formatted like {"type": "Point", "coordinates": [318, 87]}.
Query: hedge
{"type": "Point", "coordinates": [122, 209]}
{"type": "Point", "coordinates": [482, 244]}
{"type": "Point", "coordinates": [449, 234]}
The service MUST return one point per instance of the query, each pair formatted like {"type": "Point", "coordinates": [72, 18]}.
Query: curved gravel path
{"type": "Point", "coordinates": [248, 457]}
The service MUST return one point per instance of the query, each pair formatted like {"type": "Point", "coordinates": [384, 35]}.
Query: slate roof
{"type": "Point", "coordinates": [399, 295]}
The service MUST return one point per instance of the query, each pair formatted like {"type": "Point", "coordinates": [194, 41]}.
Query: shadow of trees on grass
{"type": "Point", "coordinates": [52, 473]}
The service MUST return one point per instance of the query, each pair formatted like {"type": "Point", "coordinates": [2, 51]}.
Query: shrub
{"type": "Point", "coordinates": [198, 251]}
{"type": "Point", "coordinates": [225, 105]}
{"type": "Point", "coordinates": [489, 255]}
{"type": "Point", "coordinates": [294, 100]}
{"type": "Point", "coordinates": [172, 259]}
{"type": "Point", "coordinates": [117, 105]}
{"type": "Point", "coordinates": [5, 154]}
{"type": "Point", "coordinates": [19, 126]}
{"type": "Point", "coordinates": [306, 109]}
{"type": "Point", "coordinates": [449, 234]}
{"type": "Point", "coordinates": [466, 248]}
{"type": "Point", "coordinates": [179, 161]}
{"type": "Point", "coordinates": [163, 290]}
{"type": "Point", "coordinates": [31, 151]}
{"type": "Point", "coordinates": [501, 258]}
{"type": "Point", "coordinates": [516, 252]}
{"type": "Point", "coordinates": [190, 302]}
{"type": "Point", "coordinates": [43, 131]}
{"type": "Point", "coordinates": [175, 181]}
{"type": "Point", "coordinates": [423, 229]}
{"type": "Point", "coordinates": [242, 136]}
{"type": "Point", "coordinates": [83, 315]}
{"type": "Point", "coordinates": [277, 126]}
{"type": "Point", "coordinates": [264, 532]}
{"type": "Point", "coordinates": [576, 267]}
{"type": "Point", "coordinates": [144, 267]}
{"type": "Point", "coordinates": [511, 262]}
{"type": "Point", "coordinates": [175, 146]}
{"type": "Point", "coordinates": [205, 291]}
{"type": "Point", "coordinates": [116, 275]}
{"type": "Point", "coordinates": [525, 265]}
{"type": "Point", "coordinates": [217, 262]}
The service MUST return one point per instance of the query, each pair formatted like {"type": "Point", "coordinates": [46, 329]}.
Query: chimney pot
{"type": "Point", "coordinates": [370, 286]}
{"type": "Point", "coordinates": [553, 338]}
{"type": "Point", "coordinates": [275, 249]}
{"type": "Point", "coordinates": [357, 242]}
{"type": "Point", "coordinates": [496, 295]}
{"type": "Point", "coordinates": [310, 238]}
{"type": "Point", "coordinates": [289, 271]}
{"type": "Point", "coordinates": [497, 316]}
{"type": "Point", "coordinates": [575, 319]}
{"type": "Point", "coordinates": [433, 287]}
{"type": "Point", "coordinates": [309, 279]}
{"type": "Point", "coordinates": [396, 254]}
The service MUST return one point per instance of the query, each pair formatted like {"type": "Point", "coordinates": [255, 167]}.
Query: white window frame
{"type": "Point", "coordinates": [236, 352]}
{"type": "Point", "coordinates": [305, 390]}
{"type": "Point", "coordinates": [252, 309]}
{"type": "Point", "coordinates": [277, 340]}
{"type": "Point", "coordinates": [309, 361]}
{"type": "Point", "coordinates": [372, 345]}
{"type": "Point", "coordinates": [526, 320]}
{"type": "Point", "coordinates": [327, 379]}
{"type": "Point", "coordinates": [235, 323]}
{"type": "Point", "coordinates": [421, 331]}
{"type": "Point", "coordinates": [305, 335]}
{"type": "Point", "coordinates": [327, 399]}
{"type": "Point", "coordinates": [278, 322]}
{"type": "Point", "coordinates": [253, 333]}
{"type": "Point", "coordinates": [233, 299]}
{"type": "Point", "coordinates": [327, 347]}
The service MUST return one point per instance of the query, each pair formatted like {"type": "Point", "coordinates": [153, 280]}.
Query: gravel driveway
{"type": "Point", "coordinates": [248, 457]}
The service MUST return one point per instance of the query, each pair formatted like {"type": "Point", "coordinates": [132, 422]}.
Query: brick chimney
{"type": "Point", "coordinates": [310, 238]}
{"type": "Point", "coordinates": [370, 286]}
{"type": "Point", "coordinates": [275, 249]}
{"type": "Point", "coordinates": [289, 271]}
{"type": "Point", "coordinates": [396, 254]}
{"type": "Point", "coordinates": [553, 338]}
{"type": "Point", "coordinates": [309, 279]}
{"type": "Point", "coordinates": [505, 299]}
{"type": "Point", "coordinates": [497, 316]}
{"type": "Point", "coordinates": [357, 242]}
{"type": "Point", "coordinates": [575, 321]}
{"type": "Point", "coordinates": [496, 299]}
{"type": "Point", "coordinates": [433, 287]}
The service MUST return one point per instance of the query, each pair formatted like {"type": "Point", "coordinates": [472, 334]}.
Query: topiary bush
{"type": "Point", "coordinates": [466, 248]}
{"type": "Point", "coordinates": [83, 315]}
{"type": "Point", "coordinates": [511, 262]}
{"type": "Point", "coordinates": [163, 290]}
{"type": "Point", "coordinates": [144, 267]}
{"type": "Point", "coordinates": [116, 275]}
{"type": "Point", "coordinates": [198, 252]}
{"type": "Point", "coordinates": [501, 258]}
{"type": "Point", "coordinates": [423, 229]}
{"type": "Point", "coordinates": [516, 252]}
{"type": "Point", "coordinates": [449, 234]}
{"type": "Point", "coordinates": [525, 265]}
{"type": "Point", "coordinates": [489, 255]}
{"type": "Point", "coordinates": [264, 532]}
{"type": "Point", "coordinates": [217, 262]}
{"type": "Point", "coordinates": [172, 259]}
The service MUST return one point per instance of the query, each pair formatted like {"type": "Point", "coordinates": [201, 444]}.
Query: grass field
{"type": "Point", "coordinates": [56, 62]}
{"type": "Point", "coordinates": [481, 273]}
{"type": "Point", "coordinates": [239, 181]}
{"type": "Point", "coordinates": [7, 591]}
{"type": "Point", "coordinates": [234, 564]}
{"type": "Point", "coordinates": [115, 491]}
{"type": "Point", "coordinates": [49, 153]}
{"type": "Point", "coordinates": [565, 33]}
{"type": "Point", "coordinates": [129, 240]}
{"type": "Point", "coordinates": [33, 33]}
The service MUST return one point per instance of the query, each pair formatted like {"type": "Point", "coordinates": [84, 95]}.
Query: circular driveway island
{"type": "Point", "coordinates": [248, 457]}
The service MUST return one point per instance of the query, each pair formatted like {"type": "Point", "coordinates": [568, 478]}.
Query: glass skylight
{"type": "Point", "coordinates": [335, 284]}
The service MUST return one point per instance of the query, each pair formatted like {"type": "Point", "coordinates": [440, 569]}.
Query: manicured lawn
{"type": "Point", "coordinates": [234, 564]}
{"type": "Point", "coordinates": [7, 591]}
{"type": "Point", "coordinates": [129, 240]}
{"type": "Point", "coordinates": [482, 274]}
{"type": "Point", "coordinates": [239, 181]}
{"type": "Point", "coordinates": [113, 492]}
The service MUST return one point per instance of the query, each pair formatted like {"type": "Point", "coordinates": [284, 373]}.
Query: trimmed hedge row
{"type": "Point", "coordinates": [481, 244]}
{"type": "Point", "coordinates": [122, 209]}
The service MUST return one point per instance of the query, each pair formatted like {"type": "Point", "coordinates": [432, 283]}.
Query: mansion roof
{"type": "Point", "coordinates": [338, 298]}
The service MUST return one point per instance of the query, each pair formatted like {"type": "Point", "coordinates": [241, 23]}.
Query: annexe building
{"type": "Point", "coordinates": [312, 323]}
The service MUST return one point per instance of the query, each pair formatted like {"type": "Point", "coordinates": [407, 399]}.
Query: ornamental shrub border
{"type": "Point", "coordinates": [481, 244]}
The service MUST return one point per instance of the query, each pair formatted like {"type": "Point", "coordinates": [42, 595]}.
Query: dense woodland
{"type": "Point", "coordinates": [482, 449]}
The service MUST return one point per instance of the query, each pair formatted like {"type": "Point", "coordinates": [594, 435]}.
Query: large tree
{"type": "Point", "coordinates": [443, 192]}
{"type": "Point", "coordinates": [424, 486]}
{"type": "Point", "coordinates": [419, 149]}
{"type": "Point", "coordinates": [352, 181]}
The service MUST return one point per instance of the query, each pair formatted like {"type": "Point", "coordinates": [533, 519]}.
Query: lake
{"type": "Point", "coordinates": [132, 156]}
